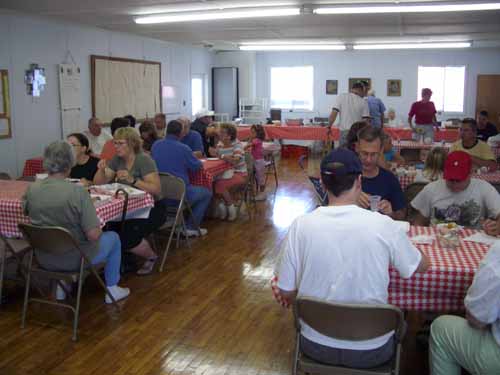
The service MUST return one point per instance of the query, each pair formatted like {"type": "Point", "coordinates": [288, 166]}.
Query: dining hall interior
{"type": "Point", "coordinates": [236, 187]}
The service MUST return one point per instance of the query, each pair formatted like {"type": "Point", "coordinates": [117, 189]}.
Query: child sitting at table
{"type": "Point", "coordinates": [390, 154]}
{"type": "Point", "coordinates": [230, 150]}
{"type": "Point", "coordinates": [434, 165]}
{"type": "Point", "coordinates": [257, 137]}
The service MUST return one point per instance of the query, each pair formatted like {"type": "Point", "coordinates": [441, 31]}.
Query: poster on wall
{"type": "Point", "coordinates": [70, 98]}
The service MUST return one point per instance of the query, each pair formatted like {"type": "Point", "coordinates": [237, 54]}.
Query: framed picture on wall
{"type": "Point", "coordinates": [352, 81]}
{"type": "Point", "coordinates": [393, 87]}
{"type": "Point", "coordinates": [332, 87]}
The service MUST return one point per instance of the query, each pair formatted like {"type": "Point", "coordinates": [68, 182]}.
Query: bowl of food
{"type": "Point", "coordinates": [448, 234]}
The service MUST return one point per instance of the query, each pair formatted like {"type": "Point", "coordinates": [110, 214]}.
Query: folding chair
{"type": "Point", "coordinates": [247, 191]}
{"type": "Point", "coordinates": [173, 189]}
{"type": "Point", "coordinates": [270, 164]}
{"type": "Point", "coordinates": [352, 322]}
{"type": "Point", "coordinates": [320, 192]}
{"type": "Point", "coordinates": [11, 249]}
{"type": "Point", "coordinates": [58, 241]}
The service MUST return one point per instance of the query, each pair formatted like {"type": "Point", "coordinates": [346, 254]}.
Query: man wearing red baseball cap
{"type": "Point", "coordinates": [459, 198]}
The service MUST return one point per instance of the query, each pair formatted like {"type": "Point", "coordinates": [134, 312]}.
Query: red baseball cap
{"type": "Point", "coordinates": [457, 166]}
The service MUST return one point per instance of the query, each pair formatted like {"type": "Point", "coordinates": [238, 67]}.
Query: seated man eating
{"type": "Point", "coordinates": [349, 264]}
{"type": "Point", "coordinates": [459, 198]}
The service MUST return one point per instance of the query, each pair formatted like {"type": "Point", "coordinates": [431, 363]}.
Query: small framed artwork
{"type": "Point", "coordinates": [352, 81]}
{"type": "Point", "coordinates": [393, 87]}
{"type": "Point", "coordinates": [332, 87]}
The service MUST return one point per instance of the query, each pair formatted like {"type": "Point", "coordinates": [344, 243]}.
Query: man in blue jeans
{"type": "Point", "coordinates": [172, 156]}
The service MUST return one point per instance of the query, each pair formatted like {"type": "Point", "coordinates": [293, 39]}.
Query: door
{"type": "Point", "coordinates": [488, 87]}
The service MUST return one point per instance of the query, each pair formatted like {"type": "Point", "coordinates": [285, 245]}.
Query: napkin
{"type": "Point", "coordinates": [482, 237]}
{"type": "Point", "coordinates": [423, 239]}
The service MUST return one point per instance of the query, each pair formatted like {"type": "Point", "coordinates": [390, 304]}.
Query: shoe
{"type": "Point", "coordinates": [261, 196]}
{"type": "Point", "coordinates": [232, 214]}
{"type": "Point", "coordinates": [221, 212]}
{"type": "Point", "coordinates": [60, 293]}
{"type": "Point", "coordinates": [117, 292]}
{"type": "Point", "coordinates": [195, 233]}
{"type": "Point", "coordinates": [147, 266]}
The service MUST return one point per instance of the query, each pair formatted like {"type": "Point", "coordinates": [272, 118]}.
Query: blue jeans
{"type": "Point", "coordinates": [110, 252]}
{"type": "Point", "coordinates": [199, 199]}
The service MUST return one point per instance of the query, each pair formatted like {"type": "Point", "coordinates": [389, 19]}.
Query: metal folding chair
{"type": "Point", "coordinates": [353, 322]}
{"type": "Point", "coordinates": [58, 241]}
{"type": "Point", "coordinates": [11, 249]}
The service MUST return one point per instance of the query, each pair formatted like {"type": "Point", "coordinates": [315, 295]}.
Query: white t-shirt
{"type": "Point", "coordinates": [482, 297]}
{"type": "Point", "coordinates": [343, 254]}
{"type": "Point", "coordinates": [97, 143]}
{"type": "Point", "coordinates": [494, 141]}
{"type": "Point", "coordinates": [480, 200]}
{"type": "Point", "coordinates": [351, 108]}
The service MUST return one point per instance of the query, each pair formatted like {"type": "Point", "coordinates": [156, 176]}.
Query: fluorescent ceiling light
{"type": "Point", "coordinates": [413, 8]}
{"type": "Point", "coordinates": [195, 7]}
{"type": "Point", "coordinates": [293, 47]}
{"type": "Point", "coordinates": [277, 42]}
{"type": "Point", "coordinates": [218, 15]}
{"type": "Point", "coordinates": [412, 45]}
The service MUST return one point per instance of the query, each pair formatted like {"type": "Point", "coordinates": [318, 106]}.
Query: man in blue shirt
{"type": "Point", "coordinates": [377, 109]}
{"type": "Point", "coordinates": [172, 156]}
{"type": "Point", "coordinates": [377, 181]}
{"type": "Point", "coordinates": [191, 138]}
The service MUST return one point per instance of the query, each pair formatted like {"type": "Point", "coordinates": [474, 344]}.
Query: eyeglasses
{"type": "Point", "coordinates": [72, 145]}
{"type": "Point", "coordinates": [119, 143]}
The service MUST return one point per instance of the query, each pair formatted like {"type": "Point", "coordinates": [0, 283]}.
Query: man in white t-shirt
{"type": "Point", "coordinates": [96, 136]}
{"type": "Point", "coordinates": [342, 253]}
{"type": "Point", "coordinates": [352, 108]}
{"type": "Point", "coordinates": [458, 198]}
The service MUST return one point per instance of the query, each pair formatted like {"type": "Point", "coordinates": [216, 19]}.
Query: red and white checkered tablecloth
{"type": "Point", "coordinates": [205, 176]}
{"type": "Point", "coordinates": [32, 167]}
{"type": "Point", "coordinates": [313, 133]}
{"type": "Point", "coordinates": [442, 287]}
{"type": "Point", "coordinates": [492, 178]}
{"type": "Point", "coordinates": [11, 211]}
{"type": "Point", "coordinates": [448, 135]}
{"type": "Point", "coordinates": [401, 145]}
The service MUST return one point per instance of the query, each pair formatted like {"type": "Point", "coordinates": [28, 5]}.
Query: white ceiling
{"type": "Point", "coordinates": [483, 28]}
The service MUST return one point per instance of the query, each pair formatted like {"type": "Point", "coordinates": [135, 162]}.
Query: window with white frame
{"type": "Point", "coordinates": [292, 87]}
{"type": "Point", "coordinates": [447, 84]}
{"type": "Point", "coordinates": [198, 93]}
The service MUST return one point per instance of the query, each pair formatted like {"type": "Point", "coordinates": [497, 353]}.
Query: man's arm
{"type": "Point", "coordinates": [409, 122]}
{"type": "Point", "coordinates": [399, 214]}
{"type": "Point", "coordinates": [424, 264]}
{"type": "Point", "coordinates": [421, 220]}
{"type": "Point", "coordinates": [288, 296]}
{"type": "Point", "coordinates": [333, 116]}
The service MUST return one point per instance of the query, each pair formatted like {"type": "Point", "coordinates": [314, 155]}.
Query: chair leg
{"type": "Point", "coordinates": [27, 290]}
{"type": "Point", "coordinates": [188, 241]}
{"type": "Point", "coordinates": [106, 290]}
{"type": "Point", "coordinates": [275, 172]}
{"type": "Point", "coordinates": [295, 364]}
{"type": "Point", "coordinates": [77, 307]}
{"type": "Point", "coordinates": [172, 232]}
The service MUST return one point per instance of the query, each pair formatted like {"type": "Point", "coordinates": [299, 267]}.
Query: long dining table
{"type": "Point", "coordinates": [306, 133]}
{"type": "Point", "coordinates": [11, 210]}
{"type": "Point", "coordinates": [443, 286]}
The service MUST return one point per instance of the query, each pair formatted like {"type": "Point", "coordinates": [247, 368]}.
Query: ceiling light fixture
{"type": "Point", "coordinates": [407, 8]}
{"type": "Point", "coordinates": [412, 45]}
{"type": "Point", "coordinates": [293, 47]}
{"type": "Point", "coordinates": [217, 15]}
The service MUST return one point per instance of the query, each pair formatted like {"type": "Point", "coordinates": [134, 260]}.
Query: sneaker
{"type": "Point", "coordinates": [221, 212]}
{"type": "Point", "coordinates": [195, 233]}
{"type": "Point", "coordinates": [60, 293]}
{"type": "Point", "coordinates": [147, 266]}
{"type": "Point", "coordinates": [117, 292]}
{"type": "Point", "coordinates": [261, 196]}
{"type": "Point", "coordinates": [232, 214]}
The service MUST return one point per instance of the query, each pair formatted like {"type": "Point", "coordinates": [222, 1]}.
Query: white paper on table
{"type": "Point", "coordinates": [423, 239]}
{"type": "Point", "coordinates": [482, 237]}
{"type": "Point", "coordinates": [403, 224]}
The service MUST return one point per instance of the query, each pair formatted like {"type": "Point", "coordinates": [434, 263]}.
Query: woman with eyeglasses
{"type": "Point", "coordinates": [86, 165]}
{"type": "Point", "coordinates": [132, 167]}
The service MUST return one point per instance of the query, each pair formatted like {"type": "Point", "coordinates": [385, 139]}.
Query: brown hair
{"type": "Point", "coordinates": [230, 129]}
{"type": "Point", "coordinates": [130, 135]}
{"type": "Point", "coordinates": [371, 134]}
{"type": "Point", "coordinates": [83, 140]}
{"type": "Point", "coordinates": [352, 136]}
{"type": "Point", "coordinates": [259, 131]}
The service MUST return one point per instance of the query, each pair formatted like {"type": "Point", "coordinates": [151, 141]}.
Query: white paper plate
{"type": "Point", "coordinates": [213, 159]}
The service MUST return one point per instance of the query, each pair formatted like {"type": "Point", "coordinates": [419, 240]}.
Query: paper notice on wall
{"type": "Point", "coordinates": [69, 86]}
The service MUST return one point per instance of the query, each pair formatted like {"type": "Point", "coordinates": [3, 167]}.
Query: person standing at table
{"type": "Point", "coordinates": [57, 202]}
{"type": "Point", "coordinates": [352, 108]}
{"type": "Point", "coordinates": [480, 152]}
{"type": "Point", "coordinates": [377, 109]}
{"type": "Point", "coordinates": [485, 129]}
{"type": "Point", "coordinates": [202, 125]}
{"type": "Point", "coordinates": [172, 156]}
{"type": "Point", "coordinates": [424, 112]}
{"type": "Point", "coordinates": [458, 198]}
{"type": "Point", "coordinates": [378, 181]}
{"type": "Point", "coordinates": [191, 138]}
{"type": "Point", "coordinates": [347, 265]}
{"type": "Point", "coordinates": [96, 136]}
{"type": "Point", "coordinates": [474, 342]}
